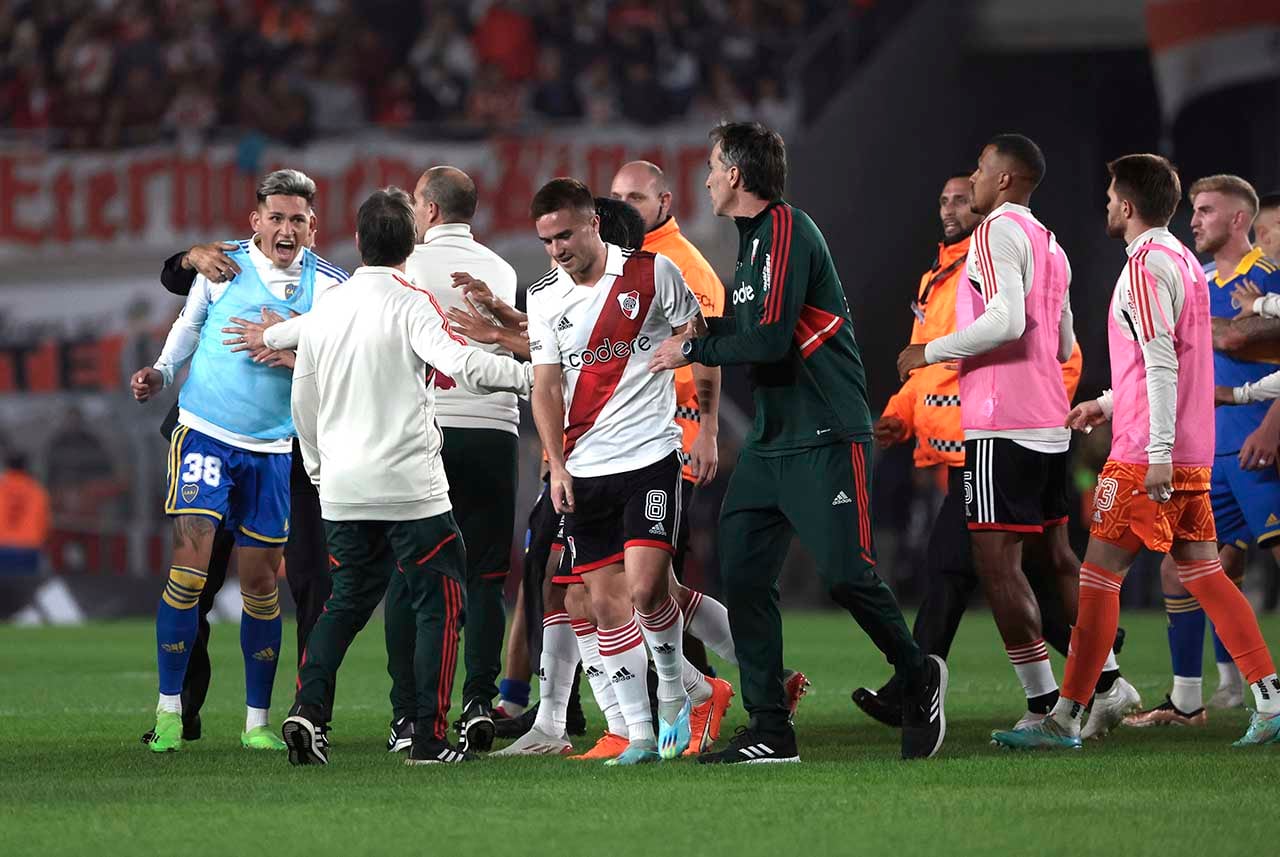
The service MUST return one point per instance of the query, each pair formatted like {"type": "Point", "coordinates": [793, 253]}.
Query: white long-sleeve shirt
{"type": "Point", "coordinates": [184, 336]}
{"type": "Point", "coordinates": [1005, 317]}
{"type": "Point", "coordinates": [1266, 388]}
{"type": "Point", "coordinates": [364, 406]}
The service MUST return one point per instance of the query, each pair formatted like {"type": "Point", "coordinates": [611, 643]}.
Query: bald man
{"type": "Point", "coordinates": [481, 436]}
{"type": "Point", "coordinates": [645, 187]}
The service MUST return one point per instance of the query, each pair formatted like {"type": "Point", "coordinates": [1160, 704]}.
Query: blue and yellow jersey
{"type": "Point", "coordinates": [1233, 425]}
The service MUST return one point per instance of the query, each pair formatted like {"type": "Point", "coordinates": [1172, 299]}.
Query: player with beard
{"type": "Point", "coordinates": [1154, 490]}
{"type": "Point", "coordinates": [928, 408]}
{"type": "Point", "coordinates": [1246, 487]}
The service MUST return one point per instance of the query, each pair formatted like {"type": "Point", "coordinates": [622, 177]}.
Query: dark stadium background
{"type": "Point", "coordinates": [880, 102]}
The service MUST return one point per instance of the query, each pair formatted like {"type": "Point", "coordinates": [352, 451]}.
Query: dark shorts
{"type": "Point", "coordinates": [637, 508]}
{"type": "Point", "coordinates": [1009, 487]}
{"type": "Point", "coordinates": [482, 468]}
{"type": "Point", "coordinates": [545, 537]}
{"type": "Point", "coordinates": [1246, 503]}
{"type": "Point", "coordinates": [682, 534]}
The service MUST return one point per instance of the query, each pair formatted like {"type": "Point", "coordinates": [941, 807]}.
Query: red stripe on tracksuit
{"type": "Point", "coordinates": [444, 322]}
{"type": "Point", "coordinates": [780, 255]}
{"type": "Point", "coordinates": [449, 653]}
{"type": "Point", "coordinates": [815, 327]}
{"type": "Point", "coordinates": [598, 382]}
{"type": "Point", "coordinates": [864, 503]}
{"type": "Point", "coordinates": [435, 550]}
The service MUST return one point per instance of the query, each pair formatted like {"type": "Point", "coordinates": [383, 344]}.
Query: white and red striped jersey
{"type": "Point", "coordinates": [618, 415]}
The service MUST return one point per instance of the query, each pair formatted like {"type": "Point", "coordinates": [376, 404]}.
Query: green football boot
{"type": "Point", "coordinates": [1263, 729]}
{"type": "Point", "coordinates": [166, 737]}
{"type": "Point", "coordinates": [261, 738]}
{"type": "Point", "coordinates": [1048, 734]}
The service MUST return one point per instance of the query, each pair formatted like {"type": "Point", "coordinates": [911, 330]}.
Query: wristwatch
{"type": "Point", "coordinates": [686, 350]}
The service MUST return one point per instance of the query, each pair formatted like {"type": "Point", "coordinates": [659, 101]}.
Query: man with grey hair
{"type": "Point", "coordinates": [230, 453]}
{"type": "Point", "coordinates": [364, 400]}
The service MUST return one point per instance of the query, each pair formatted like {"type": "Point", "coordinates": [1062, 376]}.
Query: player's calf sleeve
{"type": "Point", "coordinates": [1095, 631]}
{"type": "Point", "coordinates": [664, 632]}
{"type": "Point", "coordinates": [555, 672]}
{"type": "Point", "coordinates": [1231, 615]}
{"type": "Point", "coordinates": [177, 621]}
{"type": "Point", "coordinates": [1186, 634]}
{"type": "Point", "coordinates": [708, 620]}
{"type": "Point", "coordinates": [598, 676]}
{"type": "Point", "coordinates": [260, 633]}
{"type": "Point", "coordinates": [627, 663]}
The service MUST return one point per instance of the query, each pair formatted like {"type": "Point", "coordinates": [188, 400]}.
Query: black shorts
{"type": "Point", "coordinates": [638, 508]}
{"type": "Point", "coordinates": [682, 533]}
{"type": "Point", "coordinates": [545, 539]}
{"type": "Point", "coordinates": [1009, 487]}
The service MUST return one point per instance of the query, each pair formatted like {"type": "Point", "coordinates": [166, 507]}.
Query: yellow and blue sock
{"type": "Point", "coordinates": [1186, 634]}
{"type": "Point", "coordinates": [177, 621]}
{"type": "Point", "coordinates": [260, 630]}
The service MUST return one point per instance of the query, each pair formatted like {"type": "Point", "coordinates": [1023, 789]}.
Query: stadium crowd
{"type": "Point", "coordinates": [112, 73]}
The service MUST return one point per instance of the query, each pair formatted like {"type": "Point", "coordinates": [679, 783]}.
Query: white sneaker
{"type": "Point", "coordinates": [1028, 721]}
{"type": "Point", "coordinates": [535, 742]}
{"type": "Point", "coordinates": [1110, 708]}
{"type": "Point", "coordinates": [1227, 696]}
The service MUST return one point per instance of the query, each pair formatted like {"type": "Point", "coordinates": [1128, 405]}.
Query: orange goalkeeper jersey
{"type": "Point", "coordinates": [707, 288]}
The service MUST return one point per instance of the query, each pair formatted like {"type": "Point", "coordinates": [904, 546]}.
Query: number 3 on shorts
{"type": "Point", "coordinates": [199, 467]}
{"type": "Point", "coordinates": [655, 505]}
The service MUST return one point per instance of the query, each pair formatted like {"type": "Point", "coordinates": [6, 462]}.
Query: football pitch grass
{"type": "Point", "coordinates": [74, 778]}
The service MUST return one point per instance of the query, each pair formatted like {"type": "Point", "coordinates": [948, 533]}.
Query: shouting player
{"type": "Point", "coordinates": [230, 455]}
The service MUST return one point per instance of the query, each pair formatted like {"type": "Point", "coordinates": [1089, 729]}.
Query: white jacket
{"type": "Point", "coordinates": [364, 404]}
{"type": "Point", "coordinates": [445, 249]}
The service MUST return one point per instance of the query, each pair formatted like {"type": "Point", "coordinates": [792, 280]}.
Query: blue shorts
{"type": "Point", "coordinates": [1246, 503]}
{"type": "Point", "coordinates": [246, 492]}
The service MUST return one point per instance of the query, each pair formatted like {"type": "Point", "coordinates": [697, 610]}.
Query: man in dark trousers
{"type": "Point", "coordinates": [306, 562]}
{"type": "Point", "coordinates": [804, 468]}
{"type": "Point", "coordinates": [364, 407]}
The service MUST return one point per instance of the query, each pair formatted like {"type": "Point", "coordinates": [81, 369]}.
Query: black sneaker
{"type": "Point", "coordinates": [751, 746]}
{"type": "Point", "coordinates": [437, 751]}
{"type": "Point", "coordinates": [305, 734]}
{"type": "Point", "coordinates": [924, 718]}
{"type": "Point", "coordinates": [401, 735]}
{"type": "Point", "coordinates": [475, 728]}
{"type": "Point", "coordinates": [883, 705]}
{"type": "Point", "coordinates": [514, 727]}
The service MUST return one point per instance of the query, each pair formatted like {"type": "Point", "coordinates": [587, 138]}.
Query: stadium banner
{"type": "Point", "coordinates": [156, 198]}
{"type": "Point", "coordinates": [1198, 46]}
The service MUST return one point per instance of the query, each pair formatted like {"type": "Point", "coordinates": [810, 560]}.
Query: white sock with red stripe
{"type": "Point", "coordinates": [664, 632]}
{"type": "Point", "coordinates": [627, 662]}
{"type": "Point", "coordinates": [555, 673]}
{"type": "Point", "coordinates": [1031, 663]}
{"type": "Point", "coordinates": [598, 676]}
{"type": "Point", "coordinates": [697, 685]}
{"type": "Point", "coordinates": [708, 620]}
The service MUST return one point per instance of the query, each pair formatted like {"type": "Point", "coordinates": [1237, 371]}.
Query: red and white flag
{"type": "Point", "coordinates": [1198, 46]}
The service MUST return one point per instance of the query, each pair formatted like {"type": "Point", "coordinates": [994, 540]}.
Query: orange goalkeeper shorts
{"type": "Point", "coordinates": [1124, 515]}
